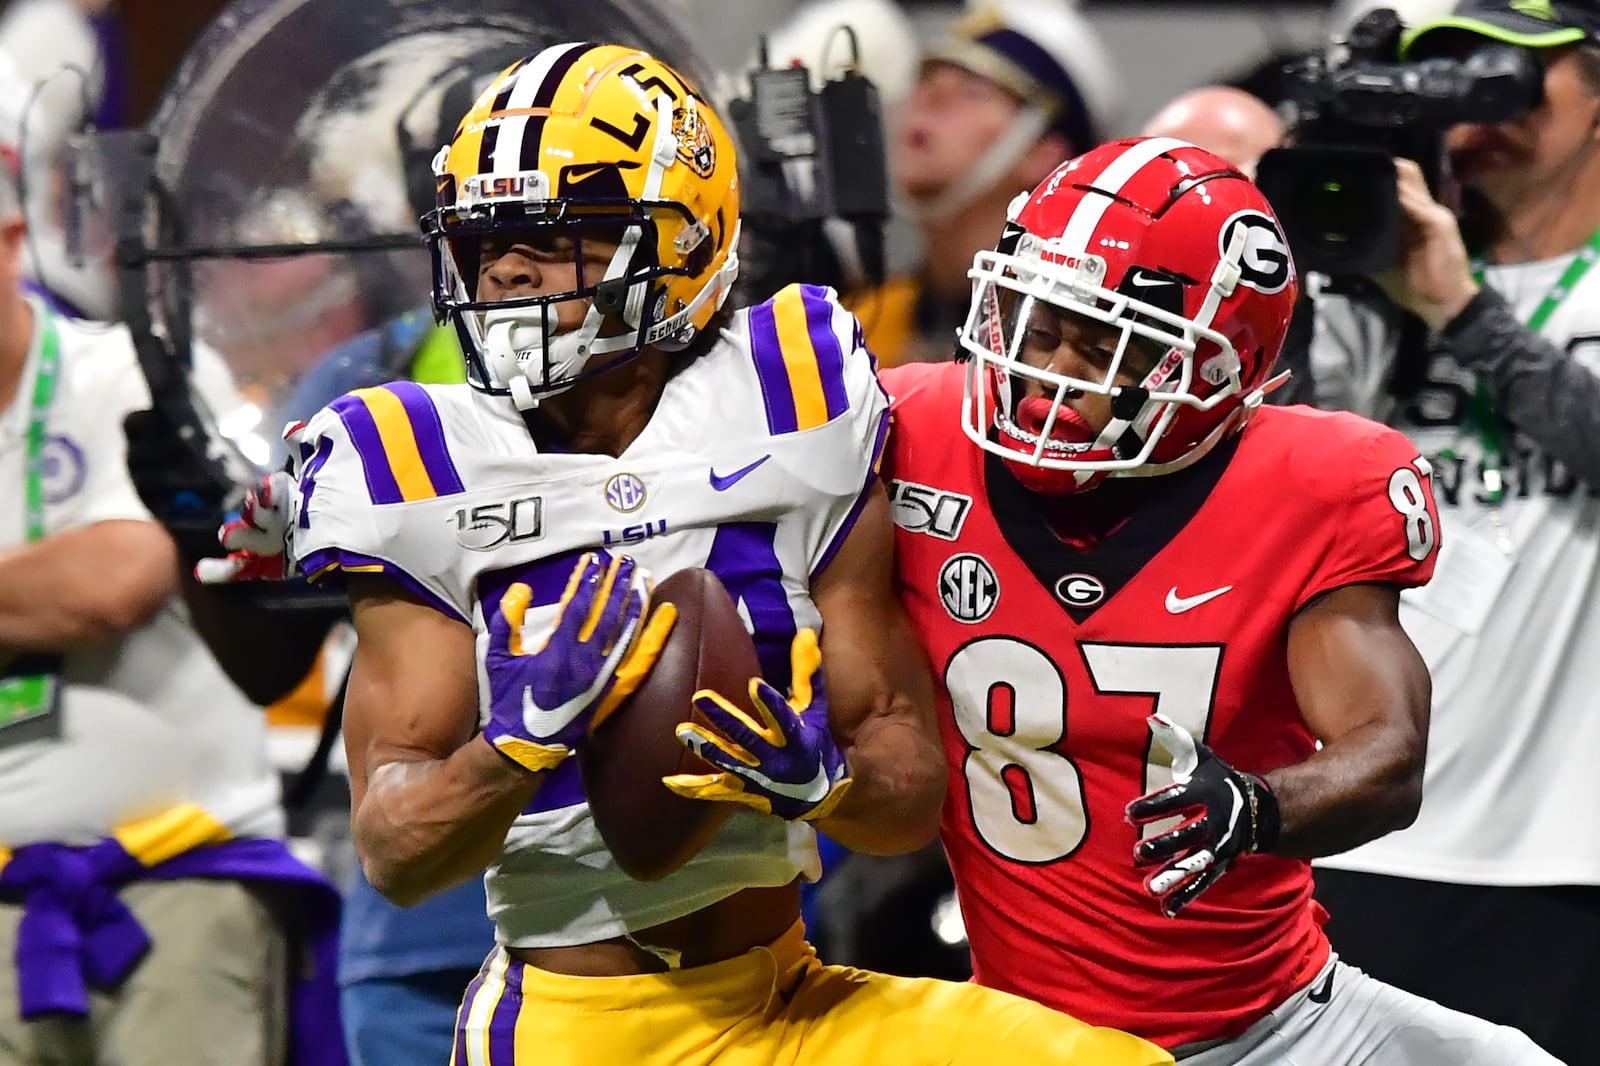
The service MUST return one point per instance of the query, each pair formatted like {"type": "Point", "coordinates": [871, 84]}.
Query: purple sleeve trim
{"type": "Point", "coordinates": [326, 562]}
{"type": "Point", "coordinates": [861, 498]}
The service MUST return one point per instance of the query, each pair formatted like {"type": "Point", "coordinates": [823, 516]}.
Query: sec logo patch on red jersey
{"type": "Point", "coordinates": [968, 588]}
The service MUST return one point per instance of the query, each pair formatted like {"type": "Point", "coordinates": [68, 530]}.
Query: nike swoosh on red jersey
{"type": "Point", "coordinates": [1177, 604]}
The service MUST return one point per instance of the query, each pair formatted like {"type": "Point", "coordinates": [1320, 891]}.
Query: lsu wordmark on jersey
{"type": "Point", "coordinates": [754, 465]}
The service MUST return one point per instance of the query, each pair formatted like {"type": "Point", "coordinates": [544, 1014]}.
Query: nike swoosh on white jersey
{"type": "Point", "coordinates": [1177, 604]}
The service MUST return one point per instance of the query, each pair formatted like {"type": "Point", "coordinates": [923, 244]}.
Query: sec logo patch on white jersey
{"type": "Point", "coordinates": [625, 493]}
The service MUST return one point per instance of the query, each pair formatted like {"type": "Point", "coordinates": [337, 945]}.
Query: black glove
{"type": "Point", "coordinates": [1228, 812]}
{"type": "Point", "coordinates": [187, 494]}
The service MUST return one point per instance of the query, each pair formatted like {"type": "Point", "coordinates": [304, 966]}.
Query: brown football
{"type": "Point", "coordinates": [651, 830]}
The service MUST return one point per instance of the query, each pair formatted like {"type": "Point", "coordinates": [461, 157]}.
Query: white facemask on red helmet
{"type": "Point", "coordinates": [1171, 246]}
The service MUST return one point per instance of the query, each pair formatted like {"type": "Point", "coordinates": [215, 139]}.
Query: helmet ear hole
{"type": "Point", "coordinates": [612, 297]}
{"type": "Point", "coordinates": [1128, 402]}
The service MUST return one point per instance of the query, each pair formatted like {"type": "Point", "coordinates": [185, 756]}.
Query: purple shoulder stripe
{"type": "Point", "coordinates": [771, 372]}
{"type": "Point", "coordinates": [820, 309]}
{"type": "Point", "coordinates": [363, 431]}
{"type": "Point", "coordinates": [429, 431]}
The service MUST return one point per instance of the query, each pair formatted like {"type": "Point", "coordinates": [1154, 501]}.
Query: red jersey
{"type": "Point", "coordinates": [1050, 658]}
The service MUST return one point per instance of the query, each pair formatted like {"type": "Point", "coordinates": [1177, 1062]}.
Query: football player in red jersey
{"type": "Point", "coordinates": [1165, 620]}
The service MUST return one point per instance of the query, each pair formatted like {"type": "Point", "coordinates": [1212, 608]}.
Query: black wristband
{"type": "Point", "coordinates": [1265, 819]}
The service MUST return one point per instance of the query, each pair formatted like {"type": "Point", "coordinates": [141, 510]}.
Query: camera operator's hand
{"type": "Point", "coordinates": [1434, 277]}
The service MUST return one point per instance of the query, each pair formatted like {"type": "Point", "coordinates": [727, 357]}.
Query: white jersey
{"type": "Point", "coordinates": [1510, 625]}
{"type": "Point", "coordinates": [149, 722]}
{"type": "Point", "coordinates": [753, 465]}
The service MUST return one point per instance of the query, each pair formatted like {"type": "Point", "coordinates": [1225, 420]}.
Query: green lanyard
{"type": "Point", "coordinates": [1480, 407]}
{"type": "Point", "coordinates": [29, 697]}
{"type": "Point", "coordinates": [44, 390]}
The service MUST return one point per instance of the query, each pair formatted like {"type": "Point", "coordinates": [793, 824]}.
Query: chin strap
{"type": "Point", "coordinates": [1236, 421]}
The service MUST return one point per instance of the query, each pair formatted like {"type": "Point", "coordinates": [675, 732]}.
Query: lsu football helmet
{"type": "Point", "coordinates": [596, 142]}
{"type": "Point", "coordinates": [1172, 247]}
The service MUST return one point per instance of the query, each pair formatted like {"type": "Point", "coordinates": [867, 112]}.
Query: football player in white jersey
{"type": "Point", "coordinates": [585, 243]}
{"type": "Point", "coordinates": [1490, 903]}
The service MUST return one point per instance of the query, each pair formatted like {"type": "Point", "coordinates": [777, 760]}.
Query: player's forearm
{"type": "Point", "coordinates": [896, 793]}
{"type": "Point", "coordinates": [426, 826]}
{"type": "Point", "coordinates": [1361, 786]}
{"type": "Point", "coordinates": [84, 586]}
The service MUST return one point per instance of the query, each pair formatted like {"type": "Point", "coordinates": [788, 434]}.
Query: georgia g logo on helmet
{"type": "Point", "coordinates": [1266, 265]}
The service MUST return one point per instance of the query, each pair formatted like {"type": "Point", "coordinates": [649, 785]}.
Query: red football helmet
{"type": "Point", "coordinates": [1174, 247]}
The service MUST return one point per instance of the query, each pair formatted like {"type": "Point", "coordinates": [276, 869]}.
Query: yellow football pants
{"type": "Point", "coordinates": [774, 1006]}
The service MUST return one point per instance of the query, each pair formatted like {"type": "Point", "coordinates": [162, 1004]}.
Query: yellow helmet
{"type": "Point", "coordinates": [599, 140]}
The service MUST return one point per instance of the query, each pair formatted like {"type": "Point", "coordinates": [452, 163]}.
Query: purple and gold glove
{"type": "Point", "coordinates": [544, 701]}
{"type": "Point", "coordinates": [784, 764]}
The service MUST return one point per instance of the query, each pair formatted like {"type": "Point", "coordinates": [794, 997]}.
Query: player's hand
{"type": "Point", "coordinates": [784, 761]}
{"type": "Point", "coordinates": [1228, 813]}
{"type": "Point", "coordinates": [546, 697]}
{"type": "Point", "coordinates": [1433, 279]}
{"type": "Point", "coordinates": [257, 538]}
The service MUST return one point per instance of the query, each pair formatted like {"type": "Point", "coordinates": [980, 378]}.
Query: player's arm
{"type": "Point", "coordinates": [431, 803]}
{"type": "Point", "coordinates": [1364, 691]}
{"type": "Point", "coordinates": [1362, 688]}
{"type": "Point", "coordinates": [880, 696]}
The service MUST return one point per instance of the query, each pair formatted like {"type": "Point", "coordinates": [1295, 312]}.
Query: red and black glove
{"type": "Point", "coordinates": [1227, 813]}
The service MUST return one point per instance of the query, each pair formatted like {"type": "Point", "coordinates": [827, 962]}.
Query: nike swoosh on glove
{"type": "Point", "coordinates": [545, 699]}
{"type": "Point", "coordinates": [257, 538]}
{"type": "Point", "coordinates": [1227, 812]}
{"type": "Point", "coordinates": [784, 761]}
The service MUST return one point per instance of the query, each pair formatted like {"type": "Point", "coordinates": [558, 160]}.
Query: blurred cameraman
{"type": "Point", "coordinates": [1489, 903]}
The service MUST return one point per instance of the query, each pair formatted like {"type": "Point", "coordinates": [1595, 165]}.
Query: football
{"type": "Point", "coordinates": [650, 830]}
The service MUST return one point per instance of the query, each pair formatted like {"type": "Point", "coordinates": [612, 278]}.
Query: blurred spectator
{"type": "Point", "coordinates": [43, 37]}
{"type": "Point", "coordinates": [1490, 903]}
{"type": "Point", "coordinates": [61, 66]}
{"type": "Point", "coordinates": [1232, 123]}
{"type": "Point", "coordinates": [1015, 88]}
{"type": "Point", "coordinates": [141, 831]}
{"type": "Point", "coordinates": [1240, 127]}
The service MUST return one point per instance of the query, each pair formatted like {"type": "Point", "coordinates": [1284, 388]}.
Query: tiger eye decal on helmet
{"type": "Point", "coordinates": [584, 145]}
{"type": "Point", "coordinates": [696, 146]}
